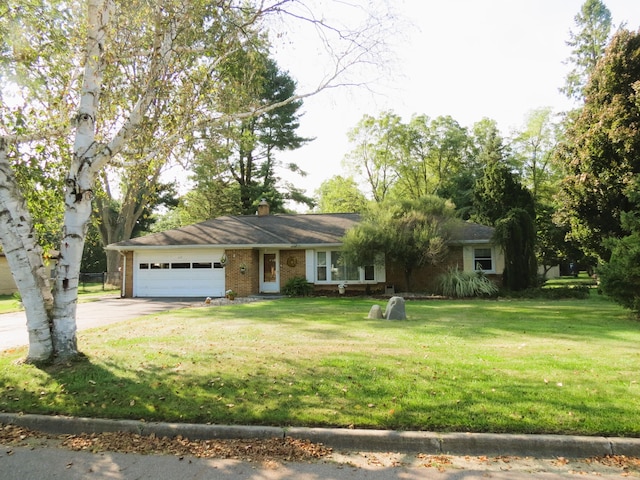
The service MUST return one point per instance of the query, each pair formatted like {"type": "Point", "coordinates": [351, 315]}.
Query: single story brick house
{"type": "Point", "coordinates": [257, 254]}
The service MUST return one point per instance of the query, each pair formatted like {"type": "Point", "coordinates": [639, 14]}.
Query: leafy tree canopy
{"type": "Point", "coordinates": [498, 191]}
{"type": "Point", "coordinates": [340, 195]}
{"type": "Point", "coordinates": [601, 150]}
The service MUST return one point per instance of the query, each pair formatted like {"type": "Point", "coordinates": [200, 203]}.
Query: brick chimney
{"type": "Point", "coordinates": [263, 208]}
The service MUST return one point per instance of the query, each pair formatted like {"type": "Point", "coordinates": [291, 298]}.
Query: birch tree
{"type": "Point", "coordinates": [96, 72]}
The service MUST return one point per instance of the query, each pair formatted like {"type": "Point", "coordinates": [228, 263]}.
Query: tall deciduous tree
{"type": "Point", "coordinates": [588, 45]}
{"type": "Point", "coordinates": [340, 195]}
{"type": "Point", "coordinates": [601, 152]}
{"type": "Point", "coordinates": [437, 151]}
{"type": "Point", "coordinates": [62, 57]}
{"type": "Point", "coordinates": [379, 148]}
{"type": "Point", "coordinates": [534, 146]}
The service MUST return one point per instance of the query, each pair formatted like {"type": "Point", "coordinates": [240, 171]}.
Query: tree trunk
{"type": "Point", "coordinates": [25, 260]}
{"type": "Point", "coordinates": [407, 278]}
{"type": "Point", "coordinates": [113, 268]}
{"type": "Point", "coordinates": [88, 159]}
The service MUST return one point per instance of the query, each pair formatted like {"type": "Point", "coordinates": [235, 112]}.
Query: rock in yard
{"type": "Point", "coordinates": [395, 309]}
{"type": "Point", "coordinates": [375, 312]}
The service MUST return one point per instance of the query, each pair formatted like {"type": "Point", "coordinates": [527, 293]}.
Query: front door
{"type": "Point", "coordinates": [270, 273]}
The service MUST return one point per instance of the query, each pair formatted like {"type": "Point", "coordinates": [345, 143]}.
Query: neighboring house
{"type": "Point", "coordinates": [7, 283]}
{"type": "Point", "coordinates": [259, 253]}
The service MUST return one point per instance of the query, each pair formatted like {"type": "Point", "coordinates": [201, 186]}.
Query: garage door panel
{"type": "Point", "coordinates": [179, 274]}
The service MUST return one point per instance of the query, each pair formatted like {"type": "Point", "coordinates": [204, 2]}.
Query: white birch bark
{"type": "Point", "coordinates": [25, 260]}
{"type": "Point", "coordinates": [88, 158]}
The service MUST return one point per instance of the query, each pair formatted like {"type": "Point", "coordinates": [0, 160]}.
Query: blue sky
{"type": "Point", "coordinates": [465, 58]}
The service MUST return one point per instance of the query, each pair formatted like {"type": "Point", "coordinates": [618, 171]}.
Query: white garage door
{"type": "Point", "coordinates": [178, 273]}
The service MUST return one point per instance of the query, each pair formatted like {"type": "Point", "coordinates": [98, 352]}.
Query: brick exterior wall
{"type": "Point", "coordinates": [242, 272]}
{"type": "Point", "coordinates": [424, 279]}
{"type": "Point", "coordinates": [351, 290]}
{"type": "Point", "coordinates": [127, 266]}
{"type": "Point", "coordinates": [292, 264]}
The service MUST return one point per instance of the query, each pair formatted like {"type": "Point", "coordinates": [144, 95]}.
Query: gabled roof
{"type": "Point", "coordinates": [469, 232]}
{"type": "Point", "coordinates": [276, 230]}
{"type": "Point", "coordinates": [252, 230]}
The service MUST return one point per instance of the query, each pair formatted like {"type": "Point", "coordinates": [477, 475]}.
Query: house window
{"type": "Point", "coordinates": [144, 266]}
{"type": "Point", "coordinates": [180, 265]}
{"type": "Point", "coordinates": [341, 270]}
{"type": "Point", "coordinates": [482, 259]}
{"type": "Point", "coordinates": [322, 267]}
{"type": "Point", "coordinates": [201, 265]}
{"type": "Point", "coordinates": [369, 272]}
{"type": "Point", "coordinates": [331, 266]}
{"type": "Point", "coordinates": [159, 266]}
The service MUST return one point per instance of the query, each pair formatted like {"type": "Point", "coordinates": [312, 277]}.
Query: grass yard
{"type": "Point", "coordinates": [86, 293]}
{"type": "Point", "coordinates": [519, 366]}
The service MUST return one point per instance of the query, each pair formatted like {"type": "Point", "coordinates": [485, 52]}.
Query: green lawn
{"type": "Point", "coordinates": [486, 366]}
{"type": "Point", "coordinates": [86, 293]}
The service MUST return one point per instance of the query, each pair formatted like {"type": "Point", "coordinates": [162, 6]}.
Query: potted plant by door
{"type": "Point", "coordinates": [230, 294]}
{"type": "Point", "coordinates": [341, 288]}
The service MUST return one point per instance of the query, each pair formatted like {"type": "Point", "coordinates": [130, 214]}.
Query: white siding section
{"type": "Point", "coordinates": [467, 258]}
{"type": "Point", "coordinates": [177, 282]}
{"type": "Point", "coordinates": [310, 265]}
{"type": "Point", "coordinates": [497, 257]}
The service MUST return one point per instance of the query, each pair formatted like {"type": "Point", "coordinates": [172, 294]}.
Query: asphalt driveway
{"type": "Point", "coordinates": [96, 313]}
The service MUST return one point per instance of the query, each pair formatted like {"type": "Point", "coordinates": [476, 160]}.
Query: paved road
{"type": "Point", "coordinates": [19, 463]}
{"type": "Point", "coordinates": [101, 311]}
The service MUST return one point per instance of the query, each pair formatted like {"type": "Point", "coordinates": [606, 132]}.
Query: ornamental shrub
{"type": "Point", "coordinates": [298, 287]}
{"type": "Point", "coordinates": [459, 284]}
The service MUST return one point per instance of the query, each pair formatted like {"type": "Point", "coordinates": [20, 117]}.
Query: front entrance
{"type": "Point", "coordinates": [269, 272]}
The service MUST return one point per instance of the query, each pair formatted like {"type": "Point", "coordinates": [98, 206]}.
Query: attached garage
{"type": "Point", "coordinates": [178, 273]}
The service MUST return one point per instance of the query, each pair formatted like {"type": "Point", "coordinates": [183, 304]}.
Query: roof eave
{"type": "Point", "coordinates": [126, 248]}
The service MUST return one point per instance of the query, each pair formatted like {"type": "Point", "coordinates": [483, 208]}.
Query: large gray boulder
{"type": "Point", "coordinates": [376, 312]}
{"type": "Point", "coordinates": [395, 309]}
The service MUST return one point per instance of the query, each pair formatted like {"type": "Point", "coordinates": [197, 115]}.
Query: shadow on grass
{"type": "Point", "coordinates": [343, 391]}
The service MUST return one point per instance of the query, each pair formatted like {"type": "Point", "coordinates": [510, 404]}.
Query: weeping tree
{"type": "Point", "coordinates": [516, 234]}
{"type": "Point", "coordinates": [409, 233]}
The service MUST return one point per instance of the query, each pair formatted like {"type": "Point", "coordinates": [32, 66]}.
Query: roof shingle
{"type": "Point", "coordinates": [273, 230]}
